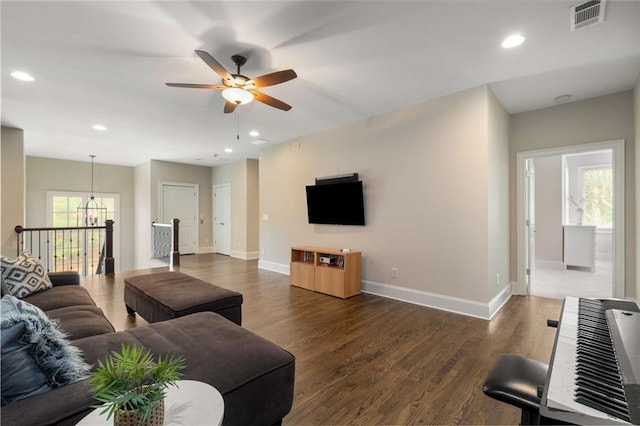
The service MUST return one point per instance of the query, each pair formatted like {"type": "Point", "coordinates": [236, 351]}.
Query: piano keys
{"type": "Point", "coordinates": [594, 371]}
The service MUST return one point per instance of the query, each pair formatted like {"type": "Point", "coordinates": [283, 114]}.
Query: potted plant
{"type": "Point", "coordinates": [132, 386]}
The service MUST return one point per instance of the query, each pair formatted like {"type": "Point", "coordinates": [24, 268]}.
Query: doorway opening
{"type": "Point", "coordinates": [571, 221]}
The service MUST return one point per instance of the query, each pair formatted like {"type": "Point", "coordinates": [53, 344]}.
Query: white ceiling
{"type": "Point", "coordinates": [108, 62]}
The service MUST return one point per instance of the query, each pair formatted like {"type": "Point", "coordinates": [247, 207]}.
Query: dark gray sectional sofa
{"type": "Point", "coordinates": [254, 376]}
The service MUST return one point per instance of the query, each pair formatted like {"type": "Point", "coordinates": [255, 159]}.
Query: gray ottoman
{"type": "Point", "coordinates": [167, 295]}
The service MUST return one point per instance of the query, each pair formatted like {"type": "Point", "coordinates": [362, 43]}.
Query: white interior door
{"type": "Point", "coordinates": [222, 219]}
{"type": "Point", "coordinates": [180, 202]}
{"type": "Point", "coordinates": [530, 222]}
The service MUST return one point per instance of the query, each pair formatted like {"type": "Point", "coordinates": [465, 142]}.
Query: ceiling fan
{"type": "Point", "coordinates": [238, 89]}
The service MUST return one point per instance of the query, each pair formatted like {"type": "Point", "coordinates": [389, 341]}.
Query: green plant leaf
{"type": "Point", "coordinates": [132, 380]}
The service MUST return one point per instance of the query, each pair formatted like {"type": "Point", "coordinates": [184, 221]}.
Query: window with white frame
{"type": "Point", "coordinates": [64, 209]}
{"type": "Point", "coordinates": [596, 183]}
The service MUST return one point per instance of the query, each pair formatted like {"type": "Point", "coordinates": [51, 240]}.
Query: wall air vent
{"type": "Point", "coordinates": [586, 13]}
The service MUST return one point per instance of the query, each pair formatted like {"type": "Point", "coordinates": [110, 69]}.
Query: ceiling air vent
{"type": "Point", "coordinates": [586, 13]}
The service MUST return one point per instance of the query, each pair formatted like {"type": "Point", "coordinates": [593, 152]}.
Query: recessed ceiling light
{"type": "Point", "coordinates": [259, 142]}
{"type": "Point", "coordinates": [20, 75]}
{"type": "Point", "coordinates": [99, 127]}
{"type": "Point", "coordinates": [513, 41]}
{"type": "Point", "coordinates": [228, 150]}
{"type": "Point", "coordinates": [563, 98]}
{"type": "Point", "coordinates": [254, 133]}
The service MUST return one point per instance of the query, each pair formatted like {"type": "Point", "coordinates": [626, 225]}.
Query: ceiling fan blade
{"type": "Point", "coordinates": [214, 65]}
{"type": "Point", "coordinates": [196, 86]}
{"type": "Point", "coordinates": [274, 78]}
{"type": "Point", "coordinates": [271, 101]}
{"type": "Point", "coordinates": [229, 107]}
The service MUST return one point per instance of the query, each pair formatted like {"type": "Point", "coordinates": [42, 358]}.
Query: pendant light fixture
{"type": "Point", "coordinates": [92, 213]}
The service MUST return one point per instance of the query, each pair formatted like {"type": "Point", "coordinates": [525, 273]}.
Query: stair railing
{"type": "Point", "coordinates": [166, 242]}
{"type": "Point", "coordinates": [86, 249]}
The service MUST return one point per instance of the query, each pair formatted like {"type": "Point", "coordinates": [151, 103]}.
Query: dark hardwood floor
{"type": "Point", "coordinates": [369, 360]}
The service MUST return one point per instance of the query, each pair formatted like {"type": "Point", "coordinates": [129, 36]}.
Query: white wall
{"type": "Point", "coordinates": [12, 199]}
{"type": "Point", "coordinates": [599, 119]}
{"type": "Point", "coordinates": [47, 174]}
{"type": "Point", "coordinates": [426, 179]}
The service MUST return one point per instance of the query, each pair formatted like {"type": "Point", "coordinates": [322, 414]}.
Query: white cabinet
{"type": "Point", "coordinates": [579, 246]}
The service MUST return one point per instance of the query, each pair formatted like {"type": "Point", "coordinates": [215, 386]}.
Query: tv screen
{"type": "Point", "coordinates": [336, 204]}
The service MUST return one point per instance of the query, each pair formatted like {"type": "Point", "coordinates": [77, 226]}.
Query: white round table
{"type": "Point", "coordinates": [190, 403]}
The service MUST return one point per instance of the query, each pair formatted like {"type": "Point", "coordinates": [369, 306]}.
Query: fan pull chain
{"type": "Point", "coordinates": [237, 125]}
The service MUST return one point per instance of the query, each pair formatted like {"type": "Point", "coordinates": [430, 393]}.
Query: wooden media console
{"type": "Point", "coordinates": [326, 270]}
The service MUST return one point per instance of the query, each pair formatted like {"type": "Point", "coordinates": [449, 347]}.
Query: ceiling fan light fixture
{"type": "Point", "coordinates": [237, 95]}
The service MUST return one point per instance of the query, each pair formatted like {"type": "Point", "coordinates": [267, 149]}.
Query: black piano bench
{"type": "Point", "coordinates": [515, 380]}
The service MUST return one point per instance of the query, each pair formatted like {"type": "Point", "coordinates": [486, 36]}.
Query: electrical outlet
{"type": "Point", "coordinates": [394, 272]}
{"type": "Point", "coordinates": [262, 252]}
{"type": "Point", "coordinates": [497, 280]}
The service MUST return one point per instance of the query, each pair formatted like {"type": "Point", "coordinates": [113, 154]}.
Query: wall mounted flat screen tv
{"type": "Point", "coordinates": [336, 203]}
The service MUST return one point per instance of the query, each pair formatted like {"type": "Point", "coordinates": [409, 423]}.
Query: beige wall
{"type": "Point", "coordinates": [253, 206]}
{"type": "Point", "coordinates": [243, 177]}
{"type": "Point", "coordinates": [426, 179]}
{"type": "Point", "coordinates": [548, 209]}
{"type": "Point", "coordinates": [168, 172]}
{"type": "Point", "coordinates": [498, 195]}
{"type": "Point", "coordinates": [46, 174]}
{"type": "Point", "coordinates": [599, 119]}
{"type": "Point", "coordinates": [142, 221]}
{"type": "Point", "coordinates": [12, 202]}
{"type": "Point", "coordinates": [636, 102]}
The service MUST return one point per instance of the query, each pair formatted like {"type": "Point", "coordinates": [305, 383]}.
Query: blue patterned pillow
{"type": "Point", "coordinates": [36, 355]}
{"type": "Point", "coordinates": [24, 275]}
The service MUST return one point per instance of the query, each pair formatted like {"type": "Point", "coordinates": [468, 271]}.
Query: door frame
{"type": "Point", "coordinates": [196, 189]}
{"type": "Point", "coordinates": [213, 211]}
{"type": "Point", "coordinates": [530, 222]}
{"type": "Point", "coordinates": [617, 147]}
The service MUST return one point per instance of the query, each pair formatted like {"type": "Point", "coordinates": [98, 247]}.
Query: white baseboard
{"type": "Point", "coordinates": [273, 266]}
{"type": "Point", "coordinates": [499, 301]}
{"type": "Point", "coordinates": [515, 288]}
{"type": "Point", "coordinates": [245, 255]}
{"type": "Point", "coordinates": [155, 263]}
{"type": "Point", "coordinates": [203, 250]}
{"type": "Point", "coordinates": [445, 303]}
{"type": "Point", "coordinates": [439, 301]}
{"type": "Point", "coordinates": [550, 264]}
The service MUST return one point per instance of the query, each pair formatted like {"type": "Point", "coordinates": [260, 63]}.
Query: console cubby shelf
{"type": "Point", "coordinates": [326, 270]}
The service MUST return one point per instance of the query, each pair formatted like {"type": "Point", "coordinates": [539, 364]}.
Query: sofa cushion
{"type": "Point", "coordinates": [81, 321]}
{"type": "Point", "coordinates": [24, 275]}
{"type": "Point", "coordinates": [61, 297]}
{"type": "Point", "coordinates": [244, 367]}
{"type": "Point", "coordinates": [21, 375]}
{"type": "Point", "coordinates": [37, 342]}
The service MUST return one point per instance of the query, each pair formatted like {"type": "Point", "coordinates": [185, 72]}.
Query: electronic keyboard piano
{"type": "Point", "coordinates": [594, 371]}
